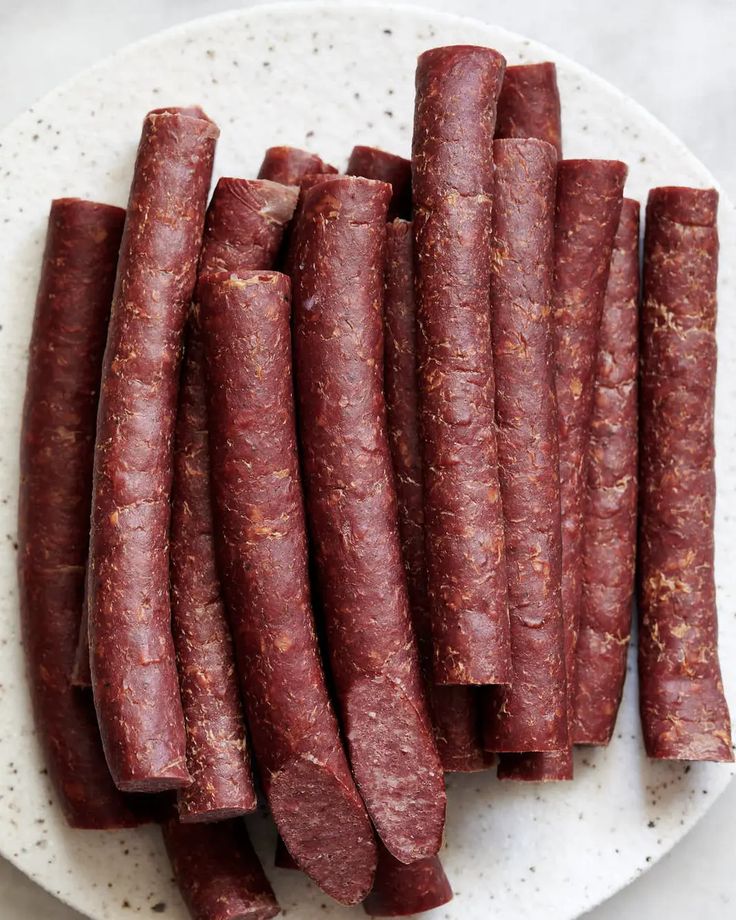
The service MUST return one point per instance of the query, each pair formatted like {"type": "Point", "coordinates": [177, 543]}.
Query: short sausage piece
{"type": "Point", "coordinates": [57, 449]}
{"type": "Point", "coordinates": [218, 872]}
{"type": "Point", "coordinates": [262, 555]}
{"type": "Point", "coordinates": [531, 714]}
{"type": "Point", "coordinates": [529, 104]}
{"type": "Point", "coordinates": [589, 197]}
{"type": "Point", "coordinates": [351, 503]}
{"type": "Point", "coordinates": [683, 710]}
{"type": "Point", "coordinates": [289, 165]}
{"type": "Point", "coordinates": [131, 648]}
{"type": "Point", "coordinates": [400, 890]}
{"type": "Point", "coordinates": [373, 163]}
{"type": "Point", "coordinates": [609, 524]}
{"type": "Point", "coordinates": [452, 162]}
{"type": "Point", "coordinates": [454, 709]}
{"type": "Point", "coordinates": [244, 228]}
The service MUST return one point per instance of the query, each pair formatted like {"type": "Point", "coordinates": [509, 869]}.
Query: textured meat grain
{"type": "Point", "coordinates": [289, 165]}
{"type": "Point", "coordinates": [400, 890]}
{"type": "Point", "coordinates": [244, 228]}
{"type": "Point", "coordinates": [373, 163]}
{"type": "Point", "coordinates": [531, 714]}
{"type": "Point", "coordinates": [453, 709]}
{"type": "Point", "coordinates": [452, 163]}
{"type": "Point", "coordinates": [589, 196]}
{"type": "Point", "coordinates": [683, 709]}
{"type": "Point", "coordinates": [262, 552]}
{"type": "Point", "coordinates": [131, 649]}
{"type": "Point", "coordinates": [351, 502]}
{"type": "Point", "coordinates": [57, 449]}
{"type": "Point", "coordinates": [609, 528]}
{"type": "Point", "coordinates": [218, 872]}
{"type": "Point", "coordinates": [529, 104]}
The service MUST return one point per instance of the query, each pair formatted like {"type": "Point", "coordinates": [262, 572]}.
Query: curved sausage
{"type": "Point", "coordinates": [684, 713]}
{"type": "Point", "coordinates": [456, 91]}
{"type": "Point", "coordinates": [531, 714]}
{"type": "Point", "coordinates": [373, 163]}
{"type": "Point", "coordinates": [351, 504]}
{"type": "Point", "coordinates": [400, 890]}
{"type": "Point", "coordinates": [529, 104]}
{"type": "Point", "coordinates": [218, 872]}
{"type": "Point", "coordinates": [453, 709]}
{"type": "Point", "coordinates": [289, 165]}
{"type": "Point", "coordinates": [609, 528]}
{"type": "Point", "coordinates": [262, 552]}
{"type": "Point", "coordinates": [589, 197]}
{"type": "Point", "coordinates": [244, 228]}
{"type": "Point", "coordinates": [57, 447]}
{"type": "Point", "coordinates": [131, 649]}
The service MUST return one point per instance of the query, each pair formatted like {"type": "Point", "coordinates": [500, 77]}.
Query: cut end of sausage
{"type": "Point", "coordinates": [401, 890]}
{"type": "Point", "coordinates": [549, 767]}
{"type": "Point", "coordinates": [325, 829]}
{"type": "Point", "coordinates": [397, 768]}
{"type": "Point", "coordinates": [686, 720]}
{"type": "Point", "coordinates": [692, 207]}
{"type": "Point", "coordinates": [204, 816]}
{"type": "Point", "coordinates": [175, 777]}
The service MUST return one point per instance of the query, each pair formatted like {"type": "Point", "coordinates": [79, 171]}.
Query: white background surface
{"type": "Point", "coordinates": [673, 56]}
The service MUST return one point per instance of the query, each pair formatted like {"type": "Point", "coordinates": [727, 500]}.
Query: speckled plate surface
{"type": "Point", "coordinates": [326, 77]}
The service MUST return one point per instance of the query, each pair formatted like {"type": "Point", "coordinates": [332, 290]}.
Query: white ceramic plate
{"type": "Point", "coordinates": [326, 78]}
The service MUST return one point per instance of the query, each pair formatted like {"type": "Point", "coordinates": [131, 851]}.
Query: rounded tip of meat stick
{"type": "Point", "coordinates": [325, 829]}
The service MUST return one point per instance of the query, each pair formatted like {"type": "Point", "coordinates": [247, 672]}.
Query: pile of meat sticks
{"type": "Point", "coordinates": [296, 427]}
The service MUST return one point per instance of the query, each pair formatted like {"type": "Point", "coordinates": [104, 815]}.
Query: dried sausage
{"type": "Point", "coordinates": [57, 447]}
{"type": "Point", "coordinates": [683, 710]}
{"type": "Point", "coordinates": [262, 555]}
{"type": "Point", "coordinates": [351, 504]}
{"type": "Point", "coordinates": [456, 92]}
{"type": "Point", "coordinates": [289, 165]}
{"type": "Point", "coordinates": [453, 709]}
{"type": "Point", "coordinates": [400, 890]}
{"type": "Point", "coordinates": [217, 871]}
{"type": "Point", "coordinates": [373, 163]}
{"type": "Point", "coordinates": [131, 649]}
{"type": "Point", "coordinates": [588, 206]}
{"type": "Point", "coordinates": [531, 714]}
{"type": "Point", "coordinates": [529, 104]}
{"type": "Point", "coordinates": [609, 523]}
{"type": "Point", "coordinates": [244, 228]}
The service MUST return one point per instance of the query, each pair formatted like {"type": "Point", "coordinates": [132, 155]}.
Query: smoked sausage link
{"type": "Point", "coordinates": [244, 228]}
{"type": "Point", "coordinates": [531, 714]}
{"type": "Point", "coordinates": [262, 553]}
{"type": "Point", "coordinates": [453, 709]}
{"type": "Point", "coordinates": [454, 120]}
{"type": "Point", "coordinates": [529, 104]}
{"type": "Point", "coordinates": [56, 456]}
{"type": "Point", "coordinates": [289, 165]}
{"type": "Point", "coordinates": [683, 709]}
{"type": "Point", "coordinates": [587, 211]}
{"type": "Point", "coordinates": [609, 524]}
{"type": "Point", "coordinates": [373, 163]}
{"type": "Point", "coordinates": [218, 872]}
{"type": "Point", "coordinates": [217, 754]}
{"type": "Point", "coordinates": [400, 890]}
{"type": "Point", "coordinates": [351, 503]}
{"type": "Point", "coordinates": [131, 648]}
